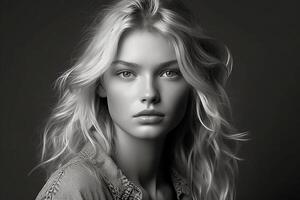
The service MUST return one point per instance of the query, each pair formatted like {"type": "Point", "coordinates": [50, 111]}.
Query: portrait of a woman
{"type": "Point", "coordinates": [143, 113]}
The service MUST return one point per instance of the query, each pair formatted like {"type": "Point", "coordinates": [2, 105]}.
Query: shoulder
{"type": "Point", "coordinates": [74, 180]}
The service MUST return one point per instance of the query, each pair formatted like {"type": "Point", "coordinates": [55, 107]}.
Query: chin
{"type": "Point", "coordinates": [148, 132]}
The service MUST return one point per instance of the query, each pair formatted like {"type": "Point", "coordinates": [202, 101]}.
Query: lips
{"type": "Point", "coordinates": [149, 113]}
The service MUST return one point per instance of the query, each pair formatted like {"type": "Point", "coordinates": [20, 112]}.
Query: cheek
{"type": "Point", "coordinates": [118, 101]}
{"type": "Point", "coordinates": [177, 99]}
{"type": "Point", "coordinates": [176, 102]}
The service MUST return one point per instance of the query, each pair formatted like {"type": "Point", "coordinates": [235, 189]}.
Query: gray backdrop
{"type": "Point", "coordinates": [40, 39]}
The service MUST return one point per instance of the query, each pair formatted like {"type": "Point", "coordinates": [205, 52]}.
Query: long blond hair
{"type": "Point", "coordinates": [206, 154]}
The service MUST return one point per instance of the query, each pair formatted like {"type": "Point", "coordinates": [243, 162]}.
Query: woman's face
{"type": "Point", "coordinates": [145, 77]}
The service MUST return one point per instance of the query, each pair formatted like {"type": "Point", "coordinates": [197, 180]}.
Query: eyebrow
{"type": "Point", "coordinates": [134, 65]}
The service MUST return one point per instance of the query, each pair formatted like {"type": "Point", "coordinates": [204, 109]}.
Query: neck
{"type": "Point", "coordinates": [139, 159]}
{"type": "Point", "coordinates": [143, 161]}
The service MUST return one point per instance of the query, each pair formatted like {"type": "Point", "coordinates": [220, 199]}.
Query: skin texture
{"type": "Point", "coordinates": [144, 76]}
{"type": "Point", "coordinates": [145, 85]}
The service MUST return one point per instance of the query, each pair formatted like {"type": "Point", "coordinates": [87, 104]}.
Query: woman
{"type": "Point", "coordinates": [142, 113]}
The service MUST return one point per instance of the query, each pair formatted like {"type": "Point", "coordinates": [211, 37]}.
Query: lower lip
{"type": "Point", "coordinates": [149, 119]}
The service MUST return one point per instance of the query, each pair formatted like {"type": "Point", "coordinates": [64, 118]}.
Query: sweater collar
{"type": "Point", "coordinates": [119, 185]}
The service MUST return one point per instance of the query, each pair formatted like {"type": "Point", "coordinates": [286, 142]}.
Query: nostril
{"type": "Point", "coordinates": [151, 98]}
{"type": "Point", "coordinates": [150, 93]}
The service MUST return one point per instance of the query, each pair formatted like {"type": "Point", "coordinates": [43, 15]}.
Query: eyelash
{"type": "Point", "coordinates": [121, 73]}
{"type": "Point", "coordinates": [176, 74]}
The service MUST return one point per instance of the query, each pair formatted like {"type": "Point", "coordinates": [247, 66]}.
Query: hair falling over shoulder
{"type": "Point", "coordinates": [206, 154]}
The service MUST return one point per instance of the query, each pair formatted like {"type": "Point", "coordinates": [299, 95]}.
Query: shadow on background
{"type": "Point", "coordinates": [40, 39]}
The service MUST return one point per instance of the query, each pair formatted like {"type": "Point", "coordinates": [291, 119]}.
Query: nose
{"type": "Point", "coordinates": [150, 93]}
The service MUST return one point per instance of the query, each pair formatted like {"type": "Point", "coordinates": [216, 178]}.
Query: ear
{"type": "Point", "coordinates": [101, 90]}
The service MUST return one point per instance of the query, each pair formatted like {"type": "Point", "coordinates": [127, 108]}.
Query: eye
{"type": "Point", "coordinates": [171, 74]}
{"type": "Point", "coordinates": [125, 74]}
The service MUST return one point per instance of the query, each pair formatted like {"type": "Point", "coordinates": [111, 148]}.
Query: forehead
{"type": "Point", "coordinates": [145, 47]}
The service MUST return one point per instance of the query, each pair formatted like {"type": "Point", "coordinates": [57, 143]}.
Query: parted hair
{"type": "Point", "coordinates": [206, 153]}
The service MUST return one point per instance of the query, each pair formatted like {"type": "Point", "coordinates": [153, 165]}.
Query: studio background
{"type": "Point", "coordinates": [40, 39]}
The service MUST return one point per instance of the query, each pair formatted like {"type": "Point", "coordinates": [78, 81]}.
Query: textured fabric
{"type": "Point", "coordinates": [91, 176]}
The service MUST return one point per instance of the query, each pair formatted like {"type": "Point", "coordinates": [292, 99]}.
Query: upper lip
{"type": "Point", "coordinates": [148, 112]}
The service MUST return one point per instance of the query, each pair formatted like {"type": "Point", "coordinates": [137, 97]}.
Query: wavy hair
{"type": "Point", "coordinates": [206, 154]}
